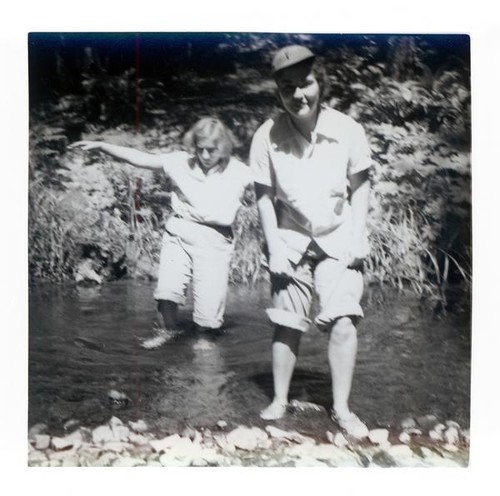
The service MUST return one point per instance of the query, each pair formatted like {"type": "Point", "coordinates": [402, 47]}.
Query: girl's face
{"type": "Point", "coordinates": [299, 91]}
{"type": "Point", "coordinates": [207, 153]}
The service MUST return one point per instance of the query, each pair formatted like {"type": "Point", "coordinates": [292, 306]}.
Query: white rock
{"type": "Point", "coordinates": [170, 460]}
{"type": "Point", "coordinates": [335, 456]}
{"type": "Point", "coordinates": [210, 455]}
{"type": "Point", "coordinates": [441, 462]}
{"type": "Point", "coordinates": [400, 451]}
{"type": "Point", "coordinates": [435, 436]}
{"type": "Point", "coordinates": [221, 424]}
{"type": "Point", "coordinates": [73, 440]}
{"type": "Point", "coordinates": [340, 441]}
{"type": "Point", "coordinates": [246, 438]}
{"type": "Point", "coordinates": [184, 446]}
{"type": "Point", "coordinates": [404, 437]}
{"type": "Point", "coordinates": [309, 462]}
{"type": "Point", "coordinates": [451, 435]}
{"type": "Point", "coordinates": [165, 443]}
{"type": "Point", "coordinates": [450, 447]}
{"type": "Point", "coordinates": [294, 436]}
{"type": "Point", "coordinates": [61, 455]}
{"type": "Point", "coordinates": [408, 423]}
{"type": "Point", "coordinates": [223, 443]}
{"type": "Point", "coordinates": [127, 461]}
{"type": "Point", "coordinates": [427, 421]}
{"type": "Point", "coordinates": [197, 438]}
{"type": "Point", "coordinates": [116, 446]}
{"type": "Point", "coordinates": [330, 437]}
{"type": "Point", "coordinates": [199, 462]}
{"type": "Point", "coordinates": [325, 452]}
{"type": "Point", "coordinates": [452, 423]}
{"type": "Point", "coordinates": [37, 429]}
{"type": "Point", "coordinates": [42, 441]}
{"type": "Point", "coordinates": [439, 428]}
{"type": "Point", "coordinates": [436, 460]}
{"type": "Point", "coordinates": [410, 462]}
{"type": "Point", "coordinates": [139, 426]}
{"type": "Point", "coordinates": [71, 425]}
{"type": "Point", "coordinates": [37, 457]}
{"type": "Point", "coordinates": [348, 462]}
{"type": "Point", "coordinates": [120, 432]}
{"type": "Point", "coordinates": [71, 461]}
{"type": "Point", "coordinates": [115, 421]}
{"type": "Point", "coordinates": [414, 432]}
{"type": "Point", "coordinates": [102, 434]}
{"type": "Point", "coordinates": [466, 435]}
{"type": "Point", "coordinates": [105, 460]}
{"type": "Point", "coordinates": [378, 436]}
{"type": "Point", "coordinates": [138, 439]}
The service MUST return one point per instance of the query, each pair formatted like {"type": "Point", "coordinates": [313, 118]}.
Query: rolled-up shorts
{"type": "Point", "coordinates": [201, 255]}
{"type": "Point", "coordinates": [339, 290]}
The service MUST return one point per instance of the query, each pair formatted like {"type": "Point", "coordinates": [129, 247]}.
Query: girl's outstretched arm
{"type": "Point", "coordinates": [133, 157]}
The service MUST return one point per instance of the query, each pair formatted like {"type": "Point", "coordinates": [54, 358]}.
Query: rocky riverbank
{"type": "Point", "coordinates": [420, 442]}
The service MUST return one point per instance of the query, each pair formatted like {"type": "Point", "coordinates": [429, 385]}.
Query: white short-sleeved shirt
{"type": "Point", "coordinates": [212, 198]}
{"type": "Point", "coordinates": [310, 181]}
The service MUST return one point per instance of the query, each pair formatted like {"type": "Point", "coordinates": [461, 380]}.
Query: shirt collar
{"type": "Point", "coordinates": [327, 126]}
{"type": "Point", "coordinates": [219, 168]}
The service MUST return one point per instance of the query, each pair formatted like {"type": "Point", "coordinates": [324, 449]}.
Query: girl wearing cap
{"type": "Point", "coordinates": [207, 188]}
{"type": "Point", "coordinates": [311, 168]}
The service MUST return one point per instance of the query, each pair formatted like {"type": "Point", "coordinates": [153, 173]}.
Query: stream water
{"type": "Point", "coordinates": [84, 343]}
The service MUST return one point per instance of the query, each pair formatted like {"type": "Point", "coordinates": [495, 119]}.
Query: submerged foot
{"type": "Point", "coordinates": [351, 424]}
{"type": "Point", "coordinates": [161, 336]}
{"type": "Point", "coordinates": [274, 411]}
{"type": "Point", "coordinates": [203, 345]}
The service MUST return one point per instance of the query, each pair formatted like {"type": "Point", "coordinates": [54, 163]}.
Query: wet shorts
{"type": "Point", "coordinates": [201, 255]}
{"type": "Point", "coordinates": [338, 287]}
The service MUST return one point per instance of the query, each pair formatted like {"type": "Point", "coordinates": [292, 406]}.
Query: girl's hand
{"type": "Point", "coordinates": [85, 145]}
{"type": "Point", "coordinates": [279, 265]}
{"type": "Point", "coordinates": [357, 254]}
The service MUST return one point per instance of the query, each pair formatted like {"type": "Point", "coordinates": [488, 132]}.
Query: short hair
{"type": "Point", "coordinates": [317, 67]}
{"type": "Point", "coordinates": [212, 129]}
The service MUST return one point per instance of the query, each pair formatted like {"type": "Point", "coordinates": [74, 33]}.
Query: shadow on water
{"type": "Point", "coordinates": [85, 363]}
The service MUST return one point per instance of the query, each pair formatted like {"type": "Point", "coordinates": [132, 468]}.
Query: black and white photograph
{"type": "Point", "coordinates": [249, 249]}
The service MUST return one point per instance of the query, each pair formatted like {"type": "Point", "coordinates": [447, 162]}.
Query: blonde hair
{"type": "Point", "coordinates": [210, 128]}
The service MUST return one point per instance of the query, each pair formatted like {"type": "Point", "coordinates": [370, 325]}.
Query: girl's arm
{"type": "Point", "coordinates": [360, 186]}
{"type": "Point", "coordinates": [134, 157]}
{"type": "Point", "coordinates": [278, 261]}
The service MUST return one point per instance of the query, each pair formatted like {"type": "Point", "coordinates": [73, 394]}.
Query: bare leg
{"type": "Point", "coordinates": [342, 350]}
{"type": "Point", "coordinates": [168, 311]}
{"type": "Point", "coordinates": [284, 351]}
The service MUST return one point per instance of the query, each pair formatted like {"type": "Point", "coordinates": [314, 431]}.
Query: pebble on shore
{"type": "Point", "coordinates": [118, 445]}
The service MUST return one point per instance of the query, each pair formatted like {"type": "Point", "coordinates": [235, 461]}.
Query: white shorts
{"type": "Point", "coordinates": [198, 254]}
{"type": "Point", "coordinates": [338, 287]}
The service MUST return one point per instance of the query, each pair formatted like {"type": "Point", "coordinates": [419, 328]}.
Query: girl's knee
{"type": "Point", "coordinates": [342, 330]}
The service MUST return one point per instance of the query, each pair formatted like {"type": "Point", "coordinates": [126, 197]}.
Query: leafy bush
{"type": "Point", "coordinates": [416, 114]}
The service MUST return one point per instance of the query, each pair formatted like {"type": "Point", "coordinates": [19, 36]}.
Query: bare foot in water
{"type": "Point", "coordinates": [274, 411]}
{"type": "Point", "coordinates": [160, 337]}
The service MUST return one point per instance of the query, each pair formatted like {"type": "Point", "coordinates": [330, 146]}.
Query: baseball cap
{"type": "Point", "coordinates": [290, 55]}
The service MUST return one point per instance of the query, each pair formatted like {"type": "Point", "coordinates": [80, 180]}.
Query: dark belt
{"type": "Point", "coordinates": [226, 231]}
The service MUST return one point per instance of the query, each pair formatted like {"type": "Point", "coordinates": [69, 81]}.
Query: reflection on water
{"type": "Point", "coordinates": [84, 342]}
{"type": "Point", "coordinates": [196, 393]}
